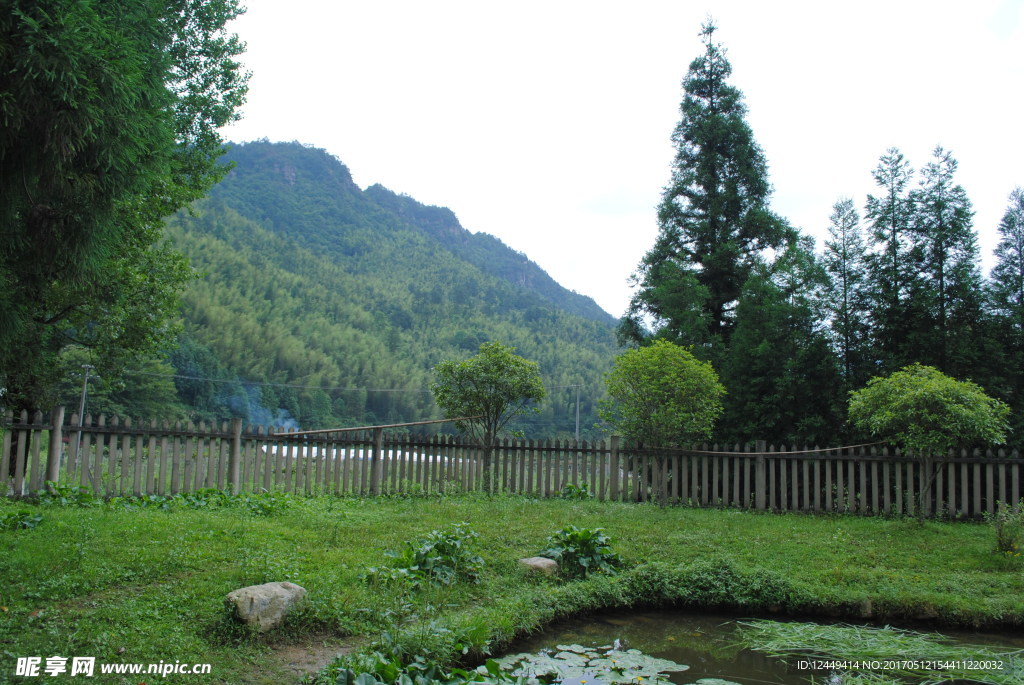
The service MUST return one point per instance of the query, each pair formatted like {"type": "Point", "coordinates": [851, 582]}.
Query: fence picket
{"type": "Point", "coordinates": [21, 456]}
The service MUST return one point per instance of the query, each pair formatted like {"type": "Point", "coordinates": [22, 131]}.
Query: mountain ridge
{"type": "Point", "coordinates": [483, 249]}
{"type": "Point", "coordinates": [335, 303]}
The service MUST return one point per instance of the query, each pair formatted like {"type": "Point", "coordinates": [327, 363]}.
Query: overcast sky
{"type": "Point", "coordinates": [548, 124]}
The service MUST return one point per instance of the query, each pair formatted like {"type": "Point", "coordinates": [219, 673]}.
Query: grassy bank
{"type": "Point", "coordinates": [146, 585]}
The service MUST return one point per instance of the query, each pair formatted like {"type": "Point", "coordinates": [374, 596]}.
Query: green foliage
{"type": "Point", "coordinates": [1006, 297]}
{"type": "Point", "coordinates": [846, 299]}
{"type": "Point", "coordinates": [268, 503]}
{"type": "Point", "coordinates": [778, 357]}
{"type": "Point", "coordinates": [488, 389]}
{"type": "Point", "coordinates": [257, 504]}
{"type": "Point", "coordinates": [714, 220]}
{"type": "Point", "coordinates": [1008, 526]}
{"type": "Point", "coordinates": [950, 269]}
{"type": "Point", "coordinates": [925, 411]}
{"type": "Point", "coordinates": [20, 520]}
{"type": "Point", "coordinates": [379, 669]}
{"type": "Point", "coordinates": [582, 551]}
{"type": "Point", "coordinates": [141, 388]}
{"type": "Point", "coordinates": [575, 492]}
{"type": "Point", "coordinates": [67, 496]}
{"type": "Point", "coordinates": [717, 582]}
{"type": "Point", "coordinates": [892, 265]}
{"type": "Point", "coordinates": [110, 115]}
{"type": "Point", "coordinates": [442, 557]}
{"type": "Point", "coordinates": [662, 395]}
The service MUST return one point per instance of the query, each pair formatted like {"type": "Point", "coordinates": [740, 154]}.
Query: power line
{"type": "Point", "coordinates": [299, 386]}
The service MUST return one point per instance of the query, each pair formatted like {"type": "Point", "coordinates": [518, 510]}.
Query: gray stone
{"type": "Point", "coordinates": [265, 606]}
{"type": "Point", "coordinates": [540, 565]}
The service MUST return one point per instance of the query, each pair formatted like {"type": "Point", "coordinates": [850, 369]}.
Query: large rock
{"type": "Point", "coordinates": [264, 606]}
{"type": "Point", "coordinates": [540, 565]}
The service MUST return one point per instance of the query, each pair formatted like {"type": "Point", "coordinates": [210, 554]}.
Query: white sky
{"type": "Point", "coordinates": [548, 124]}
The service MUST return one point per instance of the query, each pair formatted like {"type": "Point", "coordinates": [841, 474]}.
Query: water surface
{"type": "Point", "coordinates": [707, 643]}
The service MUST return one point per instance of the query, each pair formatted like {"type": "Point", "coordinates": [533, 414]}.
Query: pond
{"type": "Point", "coordinates": [709, 645]}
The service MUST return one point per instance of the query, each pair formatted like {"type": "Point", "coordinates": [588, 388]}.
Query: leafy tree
{"type": "Point", "coordinates": [846, 299]}
{"type": "Point", "coordinates": [486, 391]}
{"type": "Point", "coordinates": [714, 221]}
{"type": "Point", "coordinates": [110, 114]}
{"type": "Point", "coordinates": [662, 395]}
{"type": "Point", "coordinates": [952, 295]}
{"type": "Point", "coordinates": [924, 411]}
{"type": "Point", "coordinates": [893, 264]}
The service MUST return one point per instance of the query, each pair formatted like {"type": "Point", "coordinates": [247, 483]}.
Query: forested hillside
{"type": "Point", "coordinates": [333, 304]}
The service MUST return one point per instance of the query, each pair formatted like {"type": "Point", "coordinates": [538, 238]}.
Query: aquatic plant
{"type": "Point", "coordinates": [887, 651]}
{"type": "Point", "coordinates": [577, 665]}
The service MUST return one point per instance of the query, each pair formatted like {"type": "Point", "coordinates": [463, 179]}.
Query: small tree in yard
{"type": "Point", "coordinates": [927, 413]}
{"type": "Point", "coordinates": [493, 387]}
{"type": "Point", "coordinates": [662, 395]}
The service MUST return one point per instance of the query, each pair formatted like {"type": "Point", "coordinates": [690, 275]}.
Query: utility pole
{"type": "Point", "coordinates": [577, 386]}
{"type": "Point", "coordinates": [86, 368]}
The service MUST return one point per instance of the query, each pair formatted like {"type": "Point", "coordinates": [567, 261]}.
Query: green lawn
{"type": "Point", "coordinates": [147, 585]}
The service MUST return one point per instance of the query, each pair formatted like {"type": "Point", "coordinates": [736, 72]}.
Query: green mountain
{"type": "Point", "coordinates": [331, 304]}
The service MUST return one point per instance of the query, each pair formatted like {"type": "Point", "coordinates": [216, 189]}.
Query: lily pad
{"type": "Point", "coordinates": [579, 665]}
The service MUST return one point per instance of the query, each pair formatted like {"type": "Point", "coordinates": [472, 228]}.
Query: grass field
{"type": "Point", "coordinates": [147, 585]}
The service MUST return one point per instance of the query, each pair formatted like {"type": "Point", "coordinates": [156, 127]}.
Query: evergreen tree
{"type": "Point", "coordinates": [1007, 279]}
{"type": "Point", "coordinates": [893, 263]}
{"type": "Point", "coordinates": [1006, 295]}
{"type": "Point", "coordinates": [714, 220]}
{"type": "Point", "coordinates": [846, 300]}
{"type": "Point", "coordinates": [783, 378]}
{"type": "Point", "coordinates": [951, 299]}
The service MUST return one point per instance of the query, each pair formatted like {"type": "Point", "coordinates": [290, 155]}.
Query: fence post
{"type": "Point", "coordinates": [760, 480]}
{"type": "Point", "coordinates": [614, 493]}
{"type": "Point", "coordinates": [375, 461]}
{"type": "Point", "coordinates": [5, 452]}
{"type": "Point", "coordinates": [234, 480]}
{"type": "Point", "coordinates": [56, 444]}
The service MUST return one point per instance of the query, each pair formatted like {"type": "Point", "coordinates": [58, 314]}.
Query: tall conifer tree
{"type": "Point", "coordinates": [779, 355]}
{"type": "Point", "coordinates": [893, 263]}
{"type": "Point", "coordinates": [714, 220]}
{"type": "Point", "coordinates": [846, 301]}
{"type": "Point", "coordinates": [1006, 294]}
{"type": "Point", "coordinates": [1007, 282]}
{"type": "Point", "coordinates": [950, 268]}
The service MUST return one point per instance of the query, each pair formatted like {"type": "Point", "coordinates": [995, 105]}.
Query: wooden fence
{"type": "Point", "coordinates": [118, 457]}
